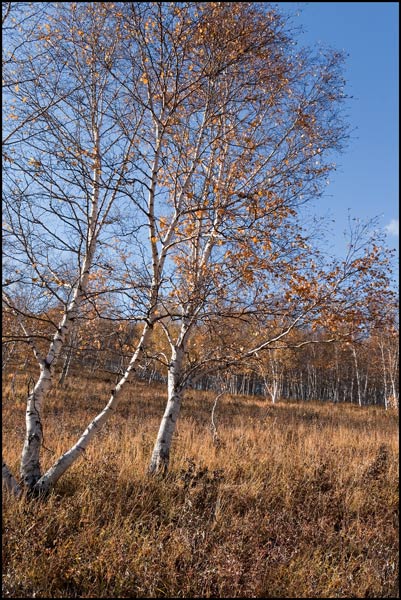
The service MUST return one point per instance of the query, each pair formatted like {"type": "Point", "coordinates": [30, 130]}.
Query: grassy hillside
{"type": "Point", "coordinates": [295, 500]}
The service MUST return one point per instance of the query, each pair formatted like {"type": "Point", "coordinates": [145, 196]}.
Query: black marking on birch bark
{"type": "Point", "coordinates": [164, 454]}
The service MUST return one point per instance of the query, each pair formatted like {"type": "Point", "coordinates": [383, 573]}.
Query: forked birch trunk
{"type": "Point", "coordinates": [161, 452]}
{"type": "Point", "coordinates": [66, 365]}
{"type": "Point", "coordinates": [50, 478]}
{"type": "Point", "coordinates": [30, 459]}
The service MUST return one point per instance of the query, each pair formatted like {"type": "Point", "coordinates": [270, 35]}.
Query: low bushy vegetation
{"type": "Point", "coordinates": [294, 500]}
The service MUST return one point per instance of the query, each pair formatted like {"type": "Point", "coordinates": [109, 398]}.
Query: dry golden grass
{"type": "Point", "coordinates": [298, 500]}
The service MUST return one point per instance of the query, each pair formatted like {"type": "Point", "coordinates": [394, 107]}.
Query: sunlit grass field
{"type": "Point", "coordinates": [295, 500]}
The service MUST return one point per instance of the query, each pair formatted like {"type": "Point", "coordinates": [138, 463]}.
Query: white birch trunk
{"type": "Point", "coordinates": [275, 387]}
{"type": "Point", "coordinates": [337, 389]}
{"type": "Point", "coordinates": [384, 374]}
{"type": "Point", "coordinates": [393, 362]}
{"type": "Point", "coordinates": [67, 362]}
{"type": "Point", "coordinates": [161, 452]}
{"type": "Point", "coordinates": [30, 459]}
{"type": "Point", "coordinates": [274, 391]}
{"type": "Point", "coordinates": [358, 378]}
{"type": "Point", "coordinates": [215, 436]}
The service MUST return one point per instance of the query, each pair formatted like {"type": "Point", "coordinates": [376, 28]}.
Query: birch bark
{"type": "Point", "coordinates": [161, 452]}
{"type": "Point", "coordinates": [357, 374]}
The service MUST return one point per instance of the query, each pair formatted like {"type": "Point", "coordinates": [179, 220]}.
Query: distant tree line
{"type": "Point", "coordinates": [364, 372]}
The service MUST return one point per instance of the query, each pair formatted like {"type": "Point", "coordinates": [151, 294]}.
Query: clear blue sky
{"type": "Point", "coordinates": [366, 180]}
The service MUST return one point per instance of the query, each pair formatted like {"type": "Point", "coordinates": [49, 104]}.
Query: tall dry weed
{"type": "Point", "coordinates": [297, 500]}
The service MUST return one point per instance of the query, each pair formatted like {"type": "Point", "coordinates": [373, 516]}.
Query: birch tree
{"type": "Point", "coordinates": [269, 121]}
{"type": "Point", "coordinates": [64, 181]}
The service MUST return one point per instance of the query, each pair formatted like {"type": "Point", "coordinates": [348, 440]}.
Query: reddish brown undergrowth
{"type": "Point", "coordinates": [297, 500]}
